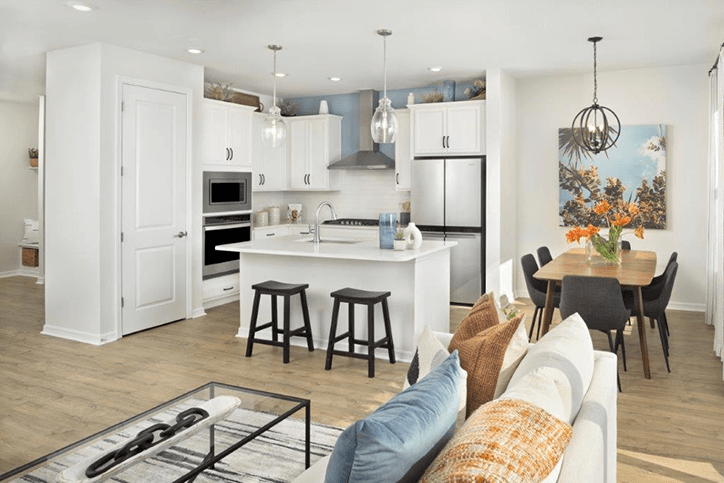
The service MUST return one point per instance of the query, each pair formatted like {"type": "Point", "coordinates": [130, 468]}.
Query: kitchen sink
{"type": "Point", "coordinates": [326, 240]}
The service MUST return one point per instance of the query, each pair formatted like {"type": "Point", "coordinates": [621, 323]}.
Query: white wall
{"type": "Point", "coordinates": [82, 189]}
{"type": "Point", "coordinates": [18, 184]}
{"type": "Point", "coordinates": [675, 96]}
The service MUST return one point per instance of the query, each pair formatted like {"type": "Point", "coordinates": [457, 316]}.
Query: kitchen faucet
{"type": "Point", "coordinates": [317, 237]}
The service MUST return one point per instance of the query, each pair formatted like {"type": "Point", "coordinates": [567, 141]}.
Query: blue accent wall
{"type": "Point", "coordinates": [347, 106]}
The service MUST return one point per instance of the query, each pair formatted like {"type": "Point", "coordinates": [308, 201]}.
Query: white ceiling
{"type": "Point", "coordinates": [323, 38]}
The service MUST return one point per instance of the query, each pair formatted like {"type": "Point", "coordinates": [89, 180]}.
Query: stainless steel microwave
{"type": "Point", "coordinates": [227, 191]}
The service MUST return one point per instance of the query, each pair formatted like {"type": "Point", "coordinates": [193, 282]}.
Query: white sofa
{"type": "Point", "coordinates": [591, 455]}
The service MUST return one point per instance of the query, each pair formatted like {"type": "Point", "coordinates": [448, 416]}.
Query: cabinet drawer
{"type": "Point", "coordinates": [301, 229]}
{"type": "Point", "coordinates": [262, 233]}
{"type": "Point", "coordinates": [219, 287]}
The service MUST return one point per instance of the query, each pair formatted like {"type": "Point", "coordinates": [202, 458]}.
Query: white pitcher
{"type": "Point", "coordinates": [413, 236]}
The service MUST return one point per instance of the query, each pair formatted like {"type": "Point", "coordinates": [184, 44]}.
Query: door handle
{"type": "Point", "coordinates": [181, 234]}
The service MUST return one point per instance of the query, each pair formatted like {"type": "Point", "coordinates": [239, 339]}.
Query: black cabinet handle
{"type": "Point", "coordinates": [228, 288]}
{"type": "Point", "coordinates": [448, 143]}
{"type": "Point", "coordinates": [263, 179]}
{"type": "Point", "coordinates": [232, 153]}
{"type": "Point", "coordinates": [443, 141]}
{"type": "Point", "coordinates": [227, 154]}
{"type": "Point", "coordinates": [270, 234]}
{"type": "Point", "coordinates": [260, 182]}
{"type": "Point", "coordinates": [397, 178]}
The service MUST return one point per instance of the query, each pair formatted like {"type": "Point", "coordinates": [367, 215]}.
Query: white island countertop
{"type": "Point", "coordinates": [339, 248]}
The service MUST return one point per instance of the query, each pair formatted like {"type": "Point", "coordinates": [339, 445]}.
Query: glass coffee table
{"type": "Point", "coordinates": [257, 435]}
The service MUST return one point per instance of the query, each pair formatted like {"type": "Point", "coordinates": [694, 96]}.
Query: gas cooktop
{"type": "Point", "coordinates": [352, 222]}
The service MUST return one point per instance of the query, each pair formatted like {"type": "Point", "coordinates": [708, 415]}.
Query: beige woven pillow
{"type": "Point", "coordinates": [482, 357]}
{"type": "Point", "coordinates": [510, 440]}
{"type": "Point", "coordinates": [482, 316]}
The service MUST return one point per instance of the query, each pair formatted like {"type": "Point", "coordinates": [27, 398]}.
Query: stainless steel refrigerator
{"type": "Point", "coordinates": [448, 203]}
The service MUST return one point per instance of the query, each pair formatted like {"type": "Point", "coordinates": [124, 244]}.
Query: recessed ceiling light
{"type": "Point", "coordinates": [434, 69]}
{"type": "Point", "coordinates": [334, 79]}
{"type": "Point", "coordinates": [194, 50]}
{"type": "Point", "coordinates": [280, 74]}
{"type": "Point", "coordinates": [81, 7]}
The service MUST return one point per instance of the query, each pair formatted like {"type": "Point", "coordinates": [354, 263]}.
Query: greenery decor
{"type": "Point", "coordinates": [617, 217]}
{"type": "Point", "coordinates": [477, 91]}
{"type": "Point", "coordinates": [399, 234]}
{"type": "Point", "coordinates": [32, 153]}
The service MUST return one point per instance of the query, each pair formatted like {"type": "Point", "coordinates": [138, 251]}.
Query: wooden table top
{"type": "Point", "coordinates": [637, 268]}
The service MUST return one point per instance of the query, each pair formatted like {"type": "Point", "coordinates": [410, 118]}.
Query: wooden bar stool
{"type": "Point", "coordinates": [353, 296]}
{"type": "Point", "coordinates": [286, 290]}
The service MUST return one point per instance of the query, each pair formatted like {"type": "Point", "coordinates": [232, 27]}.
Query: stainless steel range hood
{"type": "Point", "coordinates": [368, 156]}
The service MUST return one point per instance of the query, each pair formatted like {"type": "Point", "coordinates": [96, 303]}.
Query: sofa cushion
{"type": "Point", "coordinates": [482, 357]}
{"type": "Point", "coordinates": [508, 440]}
{"type": "Point", "coordinates": [556, 371]}
{"type": "Point", "coordinates": [429, 354]}
{"type": "Point", "coordinates": [482, 316]}
{"type": "Point", "coordinates": [402, 437]}
{"type": "Point", "coordinates": [517, 349]}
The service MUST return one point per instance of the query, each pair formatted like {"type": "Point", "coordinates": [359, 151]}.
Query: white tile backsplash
{"type": "Point", "coordinates": [364, 194]}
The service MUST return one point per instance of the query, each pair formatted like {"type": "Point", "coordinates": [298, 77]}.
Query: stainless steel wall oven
{"type": "Point", "coordinates": [221, 230]}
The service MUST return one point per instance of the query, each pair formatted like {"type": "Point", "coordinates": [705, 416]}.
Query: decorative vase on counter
{"type": "Point", "coordinates": [448, 91]}
{"type": "Point", "coordinates": [400, 245]}
{"type": "Point", "coordinates": [388, 225]}
{"type": "Point", "coordinates": [413, 236]}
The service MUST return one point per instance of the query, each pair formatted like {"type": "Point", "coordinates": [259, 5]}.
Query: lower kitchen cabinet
{"type": "Point", "coordinates": [270, 231]}
{"type": "Point", "coordinates": [220, 290]}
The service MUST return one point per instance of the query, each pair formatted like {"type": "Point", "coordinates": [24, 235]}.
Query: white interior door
{"type": "Point", "coordinates": [154, 207]}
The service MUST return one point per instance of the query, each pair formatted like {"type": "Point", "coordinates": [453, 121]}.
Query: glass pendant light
{"type": "Point", "coordinates": [596, 128]}
{"type": "Point", "coordinates": [273, 129]}
{"type": "Point", "coordinates": [384, 121]}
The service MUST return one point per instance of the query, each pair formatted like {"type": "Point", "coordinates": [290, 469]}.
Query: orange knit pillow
{"type": "Point", "coordinates": [509, 440]}
{"type": "Point", "coordinates": [481, 316]}
{"type": "Point", "coordinates": [482, 357]}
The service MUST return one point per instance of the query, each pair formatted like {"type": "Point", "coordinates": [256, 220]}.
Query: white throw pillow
{"type": "Point", "coordinates": [556, 371]}
{"type": "Point", "coordinates": [514, 354]}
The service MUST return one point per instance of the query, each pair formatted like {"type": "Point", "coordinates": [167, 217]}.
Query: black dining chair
{"type": "Point", "coordinates": [625, 245]}
{"type": "Point", "coordinates": [654, 289]}
{"type": "Point", "coordinates": [655, 308]}
{"type": "Point", "coordinates": [537, 292]}
{"type": "Point", "coordinates": [599, 302]}
{"type": "Point", "coordinates": [544, 256]}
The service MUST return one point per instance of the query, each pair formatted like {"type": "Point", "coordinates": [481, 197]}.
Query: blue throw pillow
{"type": "Point", "coordinates": [401, 438]}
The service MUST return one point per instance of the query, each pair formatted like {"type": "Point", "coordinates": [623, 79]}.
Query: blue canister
{"type": "Point", "coordinates": [388, 226]}
{"type": "Point", "coordinates": [448, 91]}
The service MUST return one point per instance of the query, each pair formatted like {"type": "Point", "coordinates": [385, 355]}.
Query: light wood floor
{"type": "Point", "coordinates": [54, 392]}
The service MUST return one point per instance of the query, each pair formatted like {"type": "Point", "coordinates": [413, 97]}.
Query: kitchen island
{"type": "Point", "coordinates": [419, 281]}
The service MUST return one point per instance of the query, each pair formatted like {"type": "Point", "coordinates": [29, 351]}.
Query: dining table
{"type": "Point", "coordinates": [636, 270]}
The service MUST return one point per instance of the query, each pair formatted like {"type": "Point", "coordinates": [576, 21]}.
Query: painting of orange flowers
{"type": "Point", "coordinates": [629, 179]}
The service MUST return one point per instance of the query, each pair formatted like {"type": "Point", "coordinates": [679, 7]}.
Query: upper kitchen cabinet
{"type": "Point", "coordinates": [403, 153]}
{"type": "Point", "coordinates": [227, 134]}
{"type": "Point", "coordinates": [269, 164]}
{"type": "Point", "coordinates": [313, 143]}
{"type": "Point", "coordinates": [454, 128]}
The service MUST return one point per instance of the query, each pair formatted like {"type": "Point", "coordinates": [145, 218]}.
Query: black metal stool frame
{"type": "Point", "coordinates": [385, 343]}
{"type": "Point", "coordinates": [276, 289]}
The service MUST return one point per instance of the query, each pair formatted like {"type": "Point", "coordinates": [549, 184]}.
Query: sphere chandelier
{"type": "Point", "coordinates": [273, 129]}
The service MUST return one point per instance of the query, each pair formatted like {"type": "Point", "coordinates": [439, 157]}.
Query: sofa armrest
{"type": "Point", "coordinates": [591, 455]}
{"type": "Point", "coordinates": [443, 337]}
{"type": "Point", "coordinates": [315, 473]}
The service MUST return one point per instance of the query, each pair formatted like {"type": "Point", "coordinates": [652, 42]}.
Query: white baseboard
{"type": "Point", "coordinates": [400, 356]}
{"type": "Point", "coordinates": [22, 272]}
{"type": "Point", "coordinates": [41, 281]}
{"type": "Point", "coordinates": [208, 304]}
{"type": "Point", "coordinates": [10, 273]}
{"type": "Point", "coordinates": [198, 313]}
{"type": "Point", "coordinates": [79, 336]}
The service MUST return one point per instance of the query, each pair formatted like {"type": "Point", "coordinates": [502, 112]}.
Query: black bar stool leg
{"type": "Point", "coordinates": [307, 324]}
{"type": "Point", "coordinates": [532, 324]}
{"type": "Point", "coordinates": [350, 326]}
{"type": "Point", "coordinates": [332, 335]}
{"type": "Point", "coordinates": [275, 323]}
{"type": "Point", "coordinates": [285, 335]}
{"type": "Point", "coordinates": [252, 326]}
{"type": "Point", "coordinates": [370, 340]}
{"type": "Point", "coordinates": [388, 329]}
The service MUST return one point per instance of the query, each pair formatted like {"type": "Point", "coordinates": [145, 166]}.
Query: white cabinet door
{"type": "Point", "coordinates": [240, 137]}
{"type": "Point", "coordinates": [215, 127]}
{"type": "Point", "coordinates": [463, 129]}
{"type": "Point", "coordinates": [298, 139]}
{"type": "Point", "coordinates": [403, 153]}
{"type": "Point", "coordinates": [430, 128]}
{"type": "Point", "coordinates": [318, 155]}
{"type": "Point", "coordinates": [258, 161]}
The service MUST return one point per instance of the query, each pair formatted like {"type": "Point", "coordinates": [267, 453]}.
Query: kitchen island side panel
{"type": "Point", "coordinates": [420, 295]}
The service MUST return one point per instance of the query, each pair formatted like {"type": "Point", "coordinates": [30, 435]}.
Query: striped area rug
{"type": "Point", "coordinates": [275, 456]}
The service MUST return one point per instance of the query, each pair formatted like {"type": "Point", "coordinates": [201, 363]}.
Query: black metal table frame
{"type": "Point", "coordinates": [209, 462]}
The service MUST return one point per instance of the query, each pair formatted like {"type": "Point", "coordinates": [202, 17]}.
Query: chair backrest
{"type": "Point", "coordinates": [625, 245]}
{"type": "Point", "coordinates": [657, 283]}
{"type": "Point", "coordinates": [669, 279]}
{"type": "Point", "coordinates": [544, 256]}
{"type": "Point", "coordinates": [598, 300]}
{"type": "Point", "coordinates": [536, 288]}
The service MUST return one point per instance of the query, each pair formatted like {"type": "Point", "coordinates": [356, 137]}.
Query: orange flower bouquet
{"type": "Point", "coordinates": [616, 218]}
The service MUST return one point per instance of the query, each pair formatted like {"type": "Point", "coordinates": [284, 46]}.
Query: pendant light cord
{"type": "Point", "coordinates": [385, 62]}
{"type": "Point", "coordinates": [275, 78]}
{"type": "Point", "coordinates": [595, 81]}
